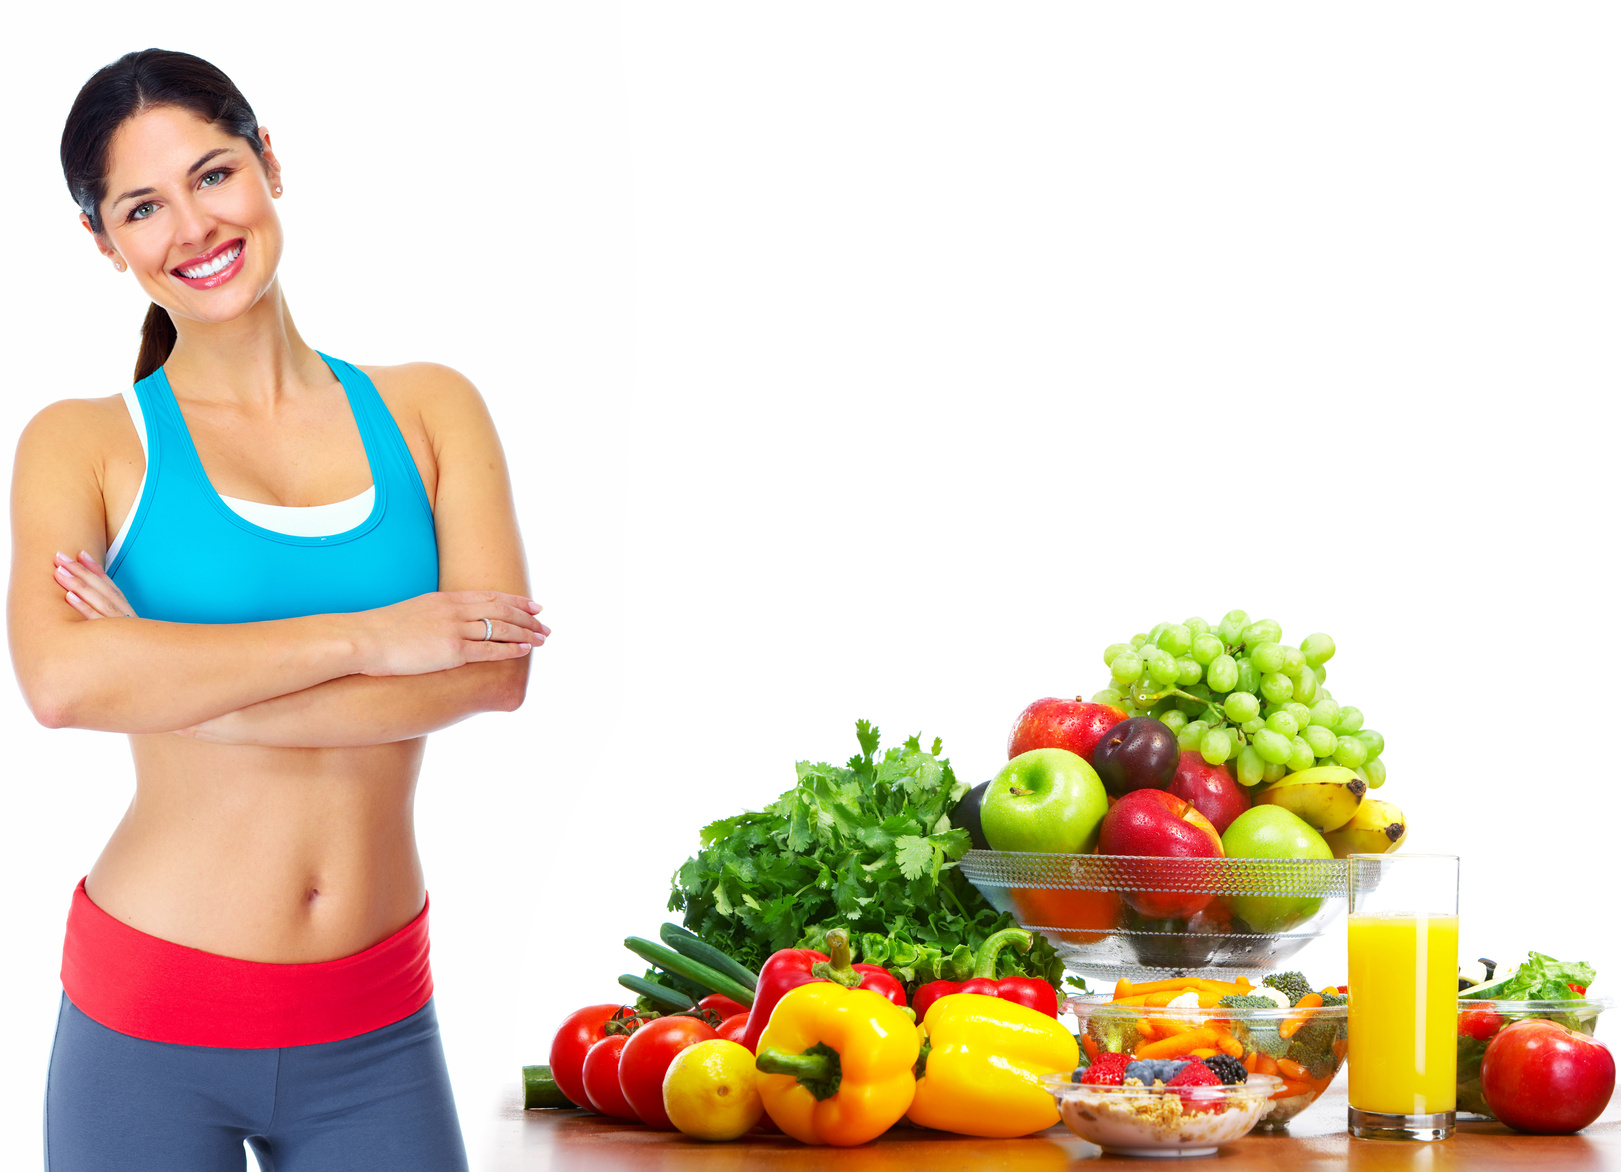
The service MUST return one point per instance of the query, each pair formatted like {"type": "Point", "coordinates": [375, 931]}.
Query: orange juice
{"type": "Point", "coordinates": [1403, 1017]}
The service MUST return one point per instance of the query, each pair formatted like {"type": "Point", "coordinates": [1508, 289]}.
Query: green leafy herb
{"type": "Point", "coordinates": [869, 848]}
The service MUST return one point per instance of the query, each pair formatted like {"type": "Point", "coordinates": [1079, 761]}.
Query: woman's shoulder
{"type": "Point", "coordinates": [438, 396]}
{"type": "Point", "coordinates": [93, 428]}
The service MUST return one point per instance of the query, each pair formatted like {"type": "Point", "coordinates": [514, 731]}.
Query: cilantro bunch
{"type": "Point", "coordinates": [869, 848]}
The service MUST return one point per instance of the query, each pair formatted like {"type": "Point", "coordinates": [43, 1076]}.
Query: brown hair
{"type": "Point", "coordinates": [133, 84]}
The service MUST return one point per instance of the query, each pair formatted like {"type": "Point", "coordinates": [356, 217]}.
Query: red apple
{"type": "Point", "coordinates": [1051, 723]}
{"type": "Point", "coordinates": [1159, 824]}
{"type": "Point", "coordinates": [1539, 1076]}
{"type": "Point", "coordinates": [1210, 789]}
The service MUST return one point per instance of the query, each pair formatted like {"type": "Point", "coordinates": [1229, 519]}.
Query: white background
{"type": "Point", "coordinates": [889, 361]}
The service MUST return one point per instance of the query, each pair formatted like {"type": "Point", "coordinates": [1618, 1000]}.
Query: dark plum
{"type": "Point", "coordinates": [1140, 753]}
{"type": "Point", "coordinates": [966, 815]}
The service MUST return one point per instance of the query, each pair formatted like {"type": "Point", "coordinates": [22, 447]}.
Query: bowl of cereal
{"type": "Point", "coordinates": [1182, 1117]}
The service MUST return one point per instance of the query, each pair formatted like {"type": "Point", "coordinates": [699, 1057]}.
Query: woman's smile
{"type": "Point", "coordinates": [212, 269]}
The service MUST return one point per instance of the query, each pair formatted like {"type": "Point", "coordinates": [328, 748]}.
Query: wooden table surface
{"type": "Point", "coordinates": [532, 1141]}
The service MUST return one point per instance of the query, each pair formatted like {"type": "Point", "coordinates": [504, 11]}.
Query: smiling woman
{"type": "Point", "coordinates": [248, 958]}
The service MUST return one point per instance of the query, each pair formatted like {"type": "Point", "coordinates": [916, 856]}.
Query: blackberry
{"type": "Point", "coordinates": [1227, 1068]}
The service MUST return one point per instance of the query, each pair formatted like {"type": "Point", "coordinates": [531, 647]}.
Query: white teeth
{"type": "Point", "coordinates": [213, 266]}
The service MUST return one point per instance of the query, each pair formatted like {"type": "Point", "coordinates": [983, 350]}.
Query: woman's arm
{"type": "Point", "coordinates": [140, 675]}
{"type": "Point", "coordinates": [477, 531]}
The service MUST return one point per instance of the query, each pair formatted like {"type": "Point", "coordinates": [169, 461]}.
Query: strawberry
{"type": "Point", "coordinates": [1107, 1071]}
{"type": "Point", "coordinates": [1192, 1076]}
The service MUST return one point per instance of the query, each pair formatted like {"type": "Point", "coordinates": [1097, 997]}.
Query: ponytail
{"type": "Point", "coordinates": [157, 341]}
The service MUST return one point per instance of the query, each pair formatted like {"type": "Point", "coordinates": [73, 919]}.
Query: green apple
{"type": "Point", "coordinates": [1271, 832]}
{"type": "Point", "coordinates": [1047, 800]}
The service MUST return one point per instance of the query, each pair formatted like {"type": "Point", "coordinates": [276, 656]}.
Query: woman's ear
{"type": "Point", "coordinates": [101, 245]}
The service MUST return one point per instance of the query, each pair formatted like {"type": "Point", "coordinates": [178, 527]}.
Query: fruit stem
{"type": "Point", "coordinates": [985, 959]}
{"type": "Point", "coordinates": [836, 969]}
{"type": "Point", "coordinates": [817, 1069]}
{"type": "Point", "coordinates": [1019, 791]}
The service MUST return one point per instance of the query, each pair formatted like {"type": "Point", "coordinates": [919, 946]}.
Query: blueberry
{"type": "Point", "coordinates": [1146, 1070]}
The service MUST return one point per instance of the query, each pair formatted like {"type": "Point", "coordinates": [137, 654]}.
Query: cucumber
{"type": "Point", "coordinates": [663, 996]}
{"type": "Point", "coordinates": [673, 962]}
{"type": "Point", "coordinates": [540, 1089]}
{"type": "Point", "coordinates": [695, 948]}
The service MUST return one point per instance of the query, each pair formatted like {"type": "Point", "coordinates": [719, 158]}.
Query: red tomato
{"type": "Point", "coordinates": [1479, 1023]}
{"type": "Point", "coordinates": [648, 1055]}
{"type": "Point", "coordinates": [602, 1077]}
{"type": "Point", "coordinates": [733, 1028]}
{"type": "Point", "coordinates": [1538, 1076]}
{"type": "Point", "coordinates": [578, 1033]}
{"type": "Point", "coordinates": [722, 1005]}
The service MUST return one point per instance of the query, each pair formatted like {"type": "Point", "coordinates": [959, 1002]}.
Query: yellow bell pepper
{"type": "Point", "coordinates": [980, 1074]}
{"type": "Point", "coordinates": [836, 1064]}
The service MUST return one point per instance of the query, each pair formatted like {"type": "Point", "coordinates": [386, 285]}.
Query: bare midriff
{"type": "Point", "coordinates": [281, 855]}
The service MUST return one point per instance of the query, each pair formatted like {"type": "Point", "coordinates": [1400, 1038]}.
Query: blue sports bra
{"type": "Point", "coordinates": [180, 525]}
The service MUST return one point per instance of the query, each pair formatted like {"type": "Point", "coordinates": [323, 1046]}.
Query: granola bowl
{"type": "Point", "coordinates": [1300, 1051]}
{"type": "Point", "coordinates": [1160, 1120]}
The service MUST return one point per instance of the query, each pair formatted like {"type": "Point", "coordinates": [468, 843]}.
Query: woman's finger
{"type": "Point", "coordinates": [83, 607]}
{"type": "Point", "coordinates": [502, 632]}
{"type": "Point", "coordinates": [99, 575]}
{"type": "Point", "coordinates": [92, 586]}
{"type": "Point", "coordinates": [527, 605]}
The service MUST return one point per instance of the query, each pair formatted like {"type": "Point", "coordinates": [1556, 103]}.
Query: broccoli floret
{"type": "Point", "coordinates": [1312, 1046]}
{"type": "Point", "coordinates": [1113, 1032]}
{"type": "Point", "coordinates": [1292, 985]}
{"type": "Point", "coordinates": [1246, 1001]}
{"type": "Point", "coordinates": [1265, 1038]}
{"type": "Point", "coordinates": [1336, 999]}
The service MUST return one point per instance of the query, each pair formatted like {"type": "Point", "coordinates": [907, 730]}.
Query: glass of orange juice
{"type": "Point", "coordinates": [1403, 981]}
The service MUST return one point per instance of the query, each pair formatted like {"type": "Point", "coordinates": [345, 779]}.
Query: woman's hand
{"type": "Point", "coordinates": [89, 590]}
{"type": "Point", "coordinates": [436, 632]}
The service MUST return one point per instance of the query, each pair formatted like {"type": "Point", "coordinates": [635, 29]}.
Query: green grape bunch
{"type": "Point", "coordinates": [1236, 693]}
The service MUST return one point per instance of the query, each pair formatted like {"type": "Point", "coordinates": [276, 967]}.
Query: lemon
{"type": "Point", "coordinates": [710, 1091]}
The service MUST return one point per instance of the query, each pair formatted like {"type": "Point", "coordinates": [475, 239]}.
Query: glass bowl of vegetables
{"type": "Point", "coordinates": [1111, 916]}
{"type": "Point", "coordinates": [1542, 987]}
{"type": "Point", "coordinates": [1283, 1028]}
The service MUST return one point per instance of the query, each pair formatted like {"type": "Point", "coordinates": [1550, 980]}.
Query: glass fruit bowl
{"type": "Point", "coordinates": [1139, 917]}
{"type": "Point", "coordinates": [1159, 1121]}
{"type": "Point", "coordinates": [1300, 1050]}
{"type": "Point", "coordinates": [1480, 1021]}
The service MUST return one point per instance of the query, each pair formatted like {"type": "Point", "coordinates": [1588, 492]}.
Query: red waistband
{"type": "Point", "coordinates": [166, 992]}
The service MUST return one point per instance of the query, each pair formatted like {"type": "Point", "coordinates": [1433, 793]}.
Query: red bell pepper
{"type": "Point", "coordinates": [1031, 991]}
{"type": "Point", "coordinates": [792, 967]}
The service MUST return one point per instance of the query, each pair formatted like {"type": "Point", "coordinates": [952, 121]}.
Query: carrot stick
{"type": "Point", "coordinates": [1122, 988]}
{"type": "Point", "coordinates": [1250, 1062]}
{"type": "Point", "coordinates": [1309, 1002]}
{"type": "Point", "coordinates": [1203, 1052]}
{"type": "Point", "coordinates": [1265, 1063]}
{"type": "Point", "coordinates": [1292, 1087]}
{"type": "Point", "coordinates": [1090, 1046]}
{"type": "Point", "coordinates": [1230, 1045]}
{"type": "Point", "coordinates": [1292, 1070]}
{"type": "Point", "coordinates": [1182, 984]}
{"type": "Point", "coordinates": [1178, 1044]}
{"type": "Point", "coordinates": [1146, 1029]}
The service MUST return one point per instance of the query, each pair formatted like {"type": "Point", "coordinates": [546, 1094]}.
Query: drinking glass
{"type": "Point", "coordinates": [1403, 980]}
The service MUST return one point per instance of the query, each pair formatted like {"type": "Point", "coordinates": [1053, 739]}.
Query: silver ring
{"type": "Point", "coordinates": [489, 630]}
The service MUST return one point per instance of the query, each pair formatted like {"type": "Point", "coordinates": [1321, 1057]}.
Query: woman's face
{"type": "Point", "coordinates": [183, 199]}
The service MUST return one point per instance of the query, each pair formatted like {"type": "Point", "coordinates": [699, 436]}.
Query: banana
{"type": "Point", "coordinates": [1376, 828]}
{"type": "Point", "coordinates": [1325, 797]}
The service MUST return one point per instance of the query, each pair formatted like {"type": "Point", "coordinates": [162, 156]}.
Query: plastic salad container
{"type": "Point", "coordinates": [1111, 916]}
{"type": "Point", "coordinates": [1301, 1050]}
{"type": "Point", "coordinates": [1479, 1022]}
{"type": "Point", "coordinates": [1160, 1120]}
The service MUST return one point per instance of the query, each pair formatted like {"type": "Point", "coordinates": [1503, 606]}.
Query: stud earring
{"type": "Point", "coordinates": [278, 189]}
{"type": "Point", "coordinates": [119, 265]}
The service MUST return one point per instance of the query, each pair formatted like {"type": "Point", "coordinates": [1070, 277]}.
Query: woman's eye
{"type": "Point", "coordinates": [135, 211]}
{"type": "Point", "coordinates": [222, 172]}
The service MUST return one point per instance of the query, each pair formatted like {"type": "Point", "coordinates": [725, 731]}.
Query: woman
{"type": "Point", "coordinates": [247, 959]}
